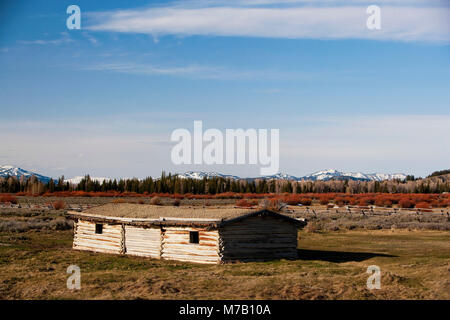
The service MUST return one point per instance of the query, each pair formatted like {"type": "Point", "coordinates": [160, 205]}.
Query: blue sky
{"type": "Point", "coordinates": [105, 99]}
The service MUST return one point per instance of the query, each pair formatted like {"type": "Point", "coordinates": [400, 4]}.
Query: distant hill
{"type": "Point", "coordinates": [11, 171]}
{"type": "Point", "coordinates": [441, 178]}
{"type": "Point", "coordinates": [439, 173]}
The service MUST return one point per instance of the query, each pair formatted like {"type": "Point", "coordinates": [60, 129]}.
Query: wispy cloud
{"type": "Point", "coordinates": [300, 20]}
{"type": "Point", "coordinates": [65, 38]}
{"type": "Point", "coordinates": [194, 71]}
{"type": "Point", "coordinates": [91, 39]}
{"type": "Point", "coordinates": [278, 3]}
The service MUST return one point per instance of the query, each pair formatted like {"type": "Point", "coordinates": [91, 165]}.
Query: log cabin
{"type": "Point", "coordinates": [193, 234]}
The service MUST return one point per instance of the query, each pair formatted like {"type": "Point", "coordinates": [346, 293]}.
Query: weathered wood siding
{"type": "Point", "coordinates": [255, 238]}
{"type": "Point", "coordinates": [258, 238]}
{"type": "Point", "coordinates": [176, 246]}
{"type": "Point", "coordinates": [143, 241]}
{"type": "Point", "coordinates": [109, 241]}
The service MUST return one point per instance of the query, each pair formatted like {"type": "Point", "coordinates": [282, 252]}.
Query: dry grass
{"type": "Point", "coordinates": [22, 220]}
{"type": "Point", "coordinates": [331, 265]}
{"type": "Point", "coordinates": [332, 221]}
{"type": "Point", "coordinates": [94, 201]}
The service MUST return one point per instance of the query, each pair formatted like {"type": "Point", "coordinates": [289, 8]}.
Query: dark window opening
{"type": "Point", "coordinates": [193, 237]}
{"type": "Point", "coordinates": [99, 228]}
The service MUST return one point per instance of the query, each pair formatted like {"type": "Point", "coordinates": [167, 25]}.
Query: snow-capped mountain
{"type": "Point", "coordinates": [335, 174]}
{"type": "Point", "coordinates": [77, 179]}
{"type": "Point", "coordinates": [387, 176]}
{"type": "Point", "coordinates": [325, 175]}
{"type": "Point", "coordinates": [200, 175]}
{"type": "Point", "coordinates": [279, 176]}
{"type": "Point", "coordinates": [11, 171]}
{"type": "Point", "coordinates": [316, 176]}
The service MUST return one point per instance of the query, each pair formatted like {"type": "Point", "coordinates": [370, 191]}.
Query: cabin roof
{"type": "Point", "coordinates": [141, 214]}
{"type": "Point", "coordinates": [133, 210]}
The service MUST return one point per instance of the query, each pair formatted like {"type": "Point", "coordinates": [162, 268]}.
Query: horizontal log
{"type": "Point", "coordinates": [187, 243]}
{"type": "Point", "coordinates": [97, 241]}
{"type": "Point", "coordinates": [187, 259]}
{"type": "Point", "coordinates": [185, 229]}
{"type": "Point", "coordinates": [135, 246]}
{"type": "Point", "coordinates": [91, 224]}
{"type": "Point", "coordinates": [96, 249]}
{"type": "Point", "coordinates": [191, 257]}
{"type": "Point", "coordinates": [142, 239]}
{"type": "Point", "coordinates": [184, 248]}
{"type": "Point", "coordinates": [144, 254]}
{"type": "Point", "coordinates": [98, 235]}
{"type": "Point", "coordinates": [133, 235]}
{"type": "Point", "coordinates": [185, 237]}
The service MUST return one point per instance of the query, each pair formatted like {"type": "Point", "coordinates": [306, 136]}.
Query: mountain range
{"type": "Point", "coordinates": [11, 171]}
{"type": "Point", "coordinates": [325, 175]}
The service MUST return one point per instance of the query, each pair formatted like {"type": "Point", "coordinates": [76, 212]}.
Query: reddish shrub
{"type": "Point", "coordinates": [363, 202]}
{"type": "Point", "coordinates": [178, 196]}
{"type": "Point", "coordinates": [379, 201]}
{"type": "Point", "coordinates": [324, 200]}
{"type": "Point", "coordinates": [292, 199]}
{"type": "Point", "coordinates": [246, 203]}
{"type": "Point", "coordinates": [305, 201]}
{"type": "Point", "coordinates": [388, 203]}
{"type": "Point", "coordinates": [156, 201]}
{"type": "Point", "coordinates": [59, 205]}
{"type": "Point", "coordinates": [8, 199]}
{"type": "Point", "coordinates": [275, 204]}
{"type": "Point", "coordinates": [423, 205]}
{"type": "Point", "coordinates": [405, 203]}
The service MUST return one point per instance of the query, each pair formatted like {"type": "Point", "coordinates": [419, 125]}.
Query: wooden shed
{"type": "Point", "coordinates": [195, 234]}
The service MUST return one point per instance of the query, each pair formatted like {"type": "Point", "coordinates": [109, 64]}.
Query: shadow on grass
{"type": "Point", "coordinates": [338, 256]}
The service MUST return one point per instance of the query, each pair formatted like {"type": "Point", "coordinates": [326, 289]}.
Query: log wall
{"type": "Point", "coordinates": [143, 241]}
{"type": "Point", "coordinates": [109, 241]}
{"type": "Point", "coordinates": [258, 238]}
{"type": "Point", "coordinates": [176, 246]}
{"type": "Point", "coordinates": [252, 239]}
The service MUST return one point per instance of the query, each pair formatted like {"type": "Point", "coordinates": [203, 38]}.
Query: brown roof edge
{"type": "Point", "coordinates": [142, 222]}
{"type": "Point", "coordinates": [266, 212]}
{"type": "Point", "coordinates": [182, 222]}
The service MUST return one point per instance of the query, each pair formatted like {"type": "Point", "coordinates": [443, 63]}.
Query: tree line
{"type": "Point", "coordinates": [173, 184]}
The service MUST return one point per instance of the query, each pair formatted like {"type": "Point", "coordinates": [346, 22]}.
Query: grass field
{"type": "Point", "coordinates": [331, 265]}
